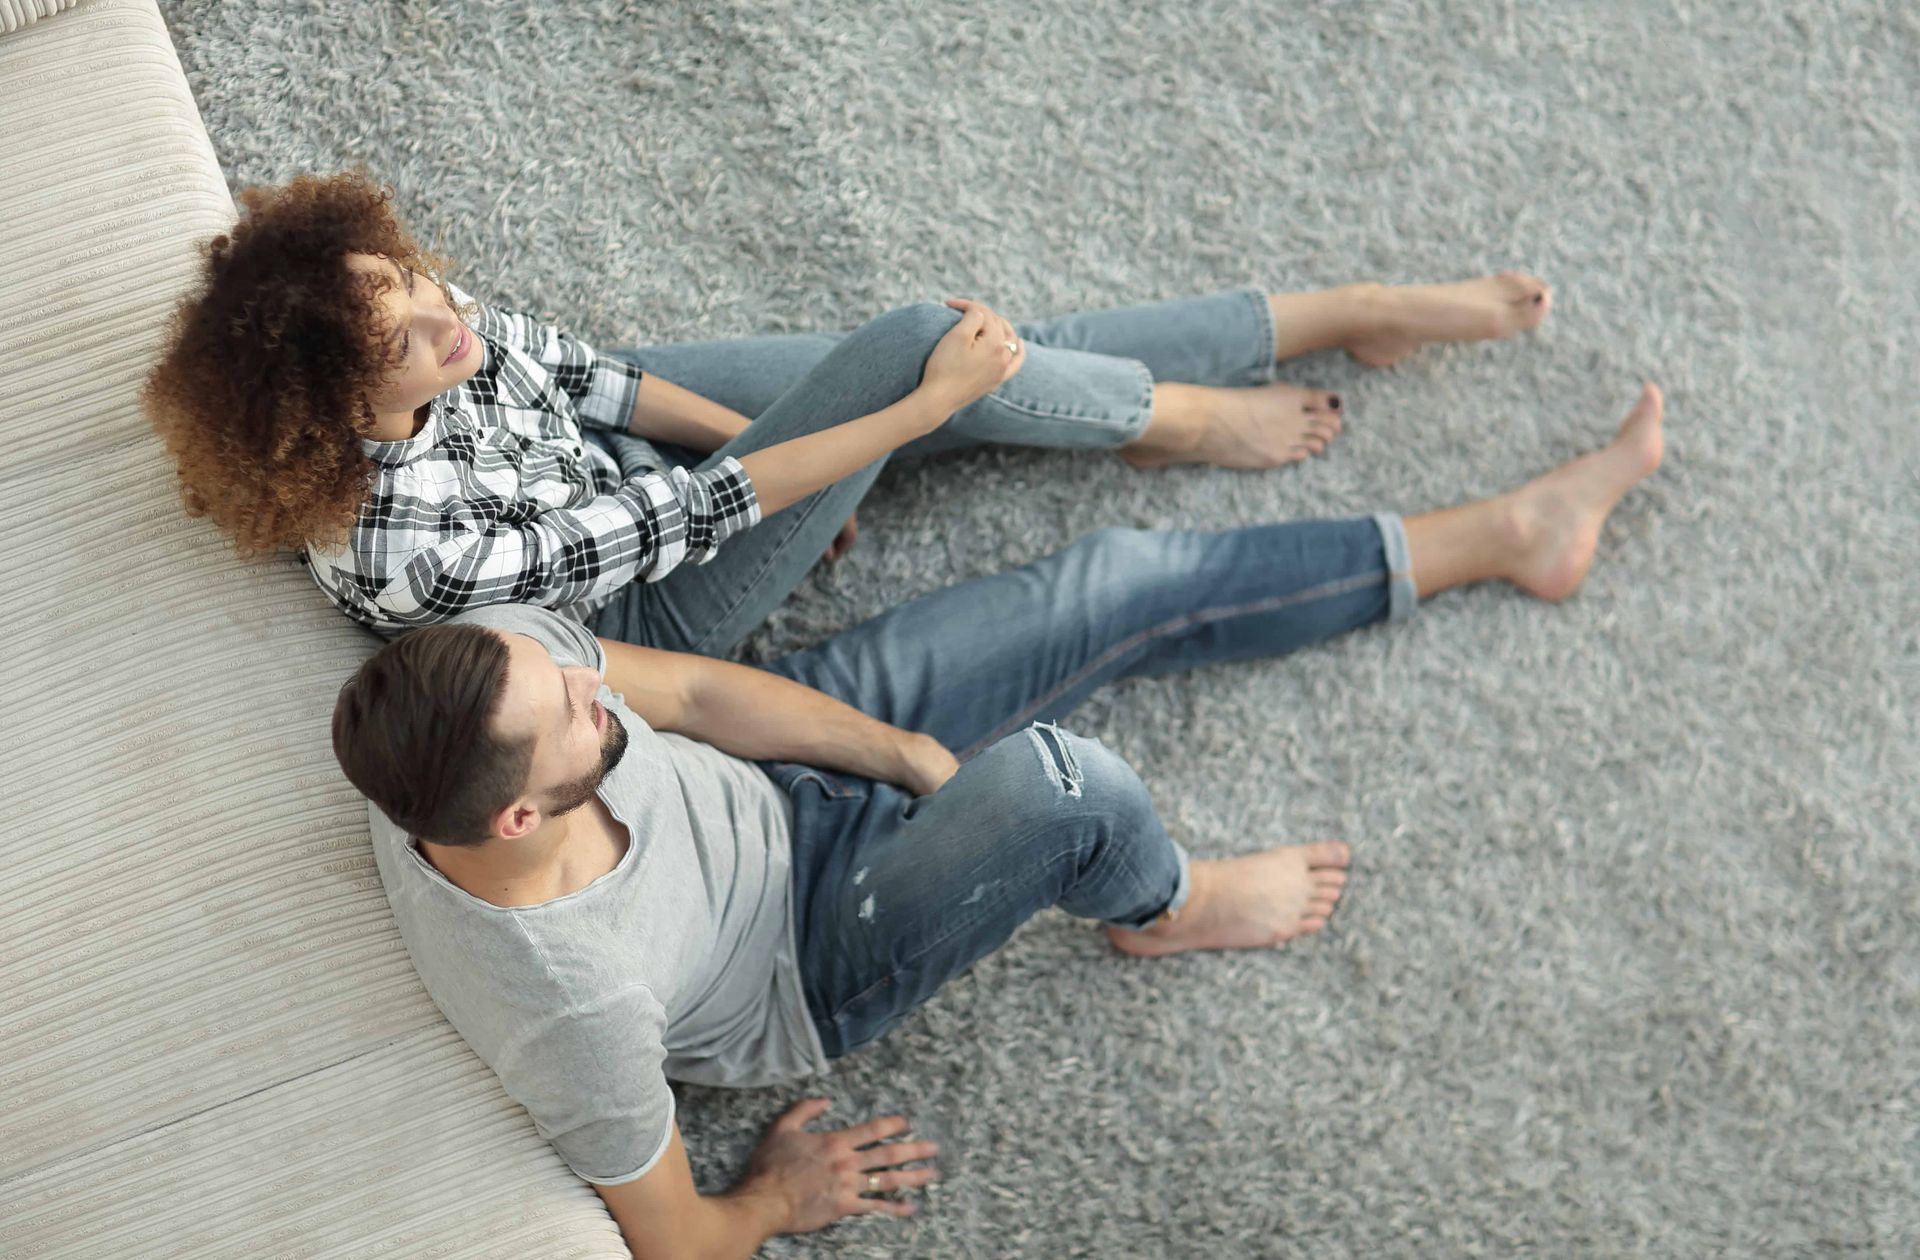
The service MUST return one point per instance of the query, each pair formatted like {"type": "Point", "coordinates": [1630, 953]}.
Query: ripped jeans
{"type": "Point", "coordinates": [895, 894]}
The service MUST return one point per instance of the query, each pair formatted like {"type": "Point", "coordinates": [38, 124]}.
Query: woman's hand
{"type": "Point", "coordinates": [825, 1176]}
{"type": "Point", "coordinates": [843, 541]}
{"type": "Point", "coordinates": [977, 356]}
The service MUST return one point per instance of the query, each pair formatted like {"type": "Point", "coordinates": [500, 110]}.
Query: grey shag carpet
{"type": "Point", "coordinates": [1631, 964]}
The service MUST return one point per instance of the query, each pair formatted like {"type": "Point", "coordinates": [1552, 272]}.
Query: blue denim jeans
{"type": "Point", "coordinates": [896, 894]}
{"type": "Point", "coordinates": [1087, 383]}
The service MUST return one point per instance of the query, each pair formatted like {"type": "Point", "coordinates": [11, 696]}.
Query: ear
{"type": "Point", "coordinates": [522, 818]}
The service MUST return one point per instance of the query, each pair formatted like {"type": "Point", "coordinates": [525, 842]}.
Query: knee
{"type": "Point", "coordinates": [914, 328]}
{"type": "Point", "coordinates": [1126, 577]}
{"type": "Point", "coordinates": [1120, 549]}
{"type": "Point", "coordinates": [1059, 771]}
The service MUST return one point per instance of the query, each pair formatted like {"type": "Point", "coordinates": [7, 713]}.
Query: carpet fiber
{"type": "Point", "coordinates": [1631, 962]}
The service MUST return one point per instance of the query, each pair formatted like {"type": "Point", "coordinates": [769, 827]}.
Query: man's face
{"type": "Point", "coordinates": [576, 741]}
{"type": "Point", "coordinates": [433, 349]}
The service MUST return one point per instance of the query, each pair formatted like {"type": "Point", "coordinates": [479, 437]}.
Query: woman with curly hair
{"type": "Point", "coordinates": [326, 391]}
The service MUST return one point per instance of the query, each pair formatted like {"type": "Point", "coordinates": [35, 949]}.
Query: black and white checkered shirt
{"type": "Point", "coordinates": [498, 499]}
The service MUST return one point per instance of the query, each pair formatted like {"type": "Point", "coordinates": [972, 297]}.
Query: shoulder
{"type": "Point", "coordinates": [566, 640]}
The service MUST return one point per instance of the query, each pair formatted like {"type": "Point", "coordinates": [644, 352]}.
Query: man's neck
{"type": "Point", "coordinates": [519, 872]}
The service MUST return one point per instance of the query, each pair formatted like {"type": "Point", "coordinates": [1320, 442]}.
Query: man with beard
{"type": "Point", "coordinates": [615, 865]}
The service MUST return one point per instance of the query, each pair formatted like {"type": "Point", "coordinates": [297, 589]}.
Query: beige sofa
{"type": "Point", "coordinates": [212, 1042]}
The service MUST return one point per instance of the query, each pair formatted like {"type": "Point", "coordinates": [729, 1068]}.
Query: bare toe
{"type": "Point", "coordinates": [1529, 299]}
{"type": "Point", "coordinates": [1329, 853]}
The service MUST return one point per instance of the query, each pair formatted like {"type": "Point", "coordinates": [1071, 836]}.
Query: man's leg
{"type": "Point", "coordinates": [894, 896]}
{"type": "Point", "coordinates": [978, 661]}
{"type": "Point", "coordinates": [974, 663]}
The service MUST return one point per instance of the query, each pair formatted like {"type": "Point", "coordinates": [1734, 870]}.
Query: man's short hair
{"type": "Point", "coordinates": [413, 729]}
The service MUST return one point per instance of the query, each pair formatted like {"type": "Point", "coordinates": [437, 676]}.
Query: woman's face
{"type": "Point", "coordinates": [433, 349]}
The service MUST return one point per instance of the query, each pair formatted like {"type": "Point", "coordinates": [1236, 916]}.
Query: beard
{"type": "Point", "coordinates": [574, 793]}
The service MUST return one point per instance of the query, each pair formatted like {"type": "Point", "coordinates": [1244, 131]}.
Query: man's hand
{"type": "Point", "coordinates": [925, 763]}
{"type": "Point", "coordinates": [825, 1176]}
{"type": "Point", "coordinates": [843, 541]}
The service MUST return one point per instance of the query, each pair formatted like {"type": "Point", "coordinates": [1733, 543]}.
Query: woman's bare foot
{"type": "Point", "coordinates": [1252, 902]}
{"type": "Point", "coordinates": [1556, 518]}
{"type": "Point", "coordinates": [1261, 427]}
{"type": "Point", "coordinates": [1400, 319]}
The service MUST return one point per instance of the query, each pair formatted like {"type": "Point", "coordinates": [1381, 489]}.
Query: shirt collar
{"type": "Point", "coordinates": [406, 450]}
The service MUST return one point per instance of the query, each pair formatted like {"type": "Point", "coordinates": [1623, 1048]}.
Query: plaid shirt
{"type": "Point", "coordinates": [498, 499]}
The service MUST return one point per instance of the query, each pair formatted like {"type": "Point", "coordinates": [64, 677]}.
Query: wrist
{"type": "Point", "coordinates": [934, 405]}
{"type": "Point", "coordinates": [899, 756]}
{"type": "Point", "coordinates": [760, 1199]}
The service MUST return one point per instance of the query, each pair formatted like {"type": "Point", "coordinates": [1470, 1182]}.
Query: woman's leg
{"type": "Point", "coordinates": [710, 608]}
{"type": "Point", "coordinates": [1267, 425]}
{"type": "Point", "coordinates": [746, 374]}
{"type": "Point", "coordinates": [1093, 378]}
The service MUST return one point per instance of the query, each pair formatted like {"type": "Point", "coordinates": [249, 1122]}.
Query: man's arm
{"type": "Point", "coordinates": [761, 716]}
{"type": "Point", "coordinates": [668, 413]}
{"type": "Point", "coordinates": [797, 1181]}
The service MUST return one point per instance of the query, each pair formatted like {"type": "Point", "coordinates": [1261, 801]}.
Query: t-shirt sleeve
{"type": "Point", "coordinates": [592, 1079]}
{"type": "Point", "coordinates": [566, 640]}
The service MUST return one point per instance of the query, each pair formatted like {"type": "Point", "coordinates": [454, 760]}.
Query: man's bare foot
{"type": "Point", "coordinates": [1261, 427]}
{"type": "Point", "coordinates": [1403, 318]}
{"type": "Point", "coordinates": [1556, 518]}
{"type": "Point", "coordinates": [1252, 902]}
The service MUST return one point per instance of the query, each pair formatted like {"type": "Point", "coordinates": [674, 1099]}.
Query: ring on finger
{"type": "Point", "coordinates": [1013, 347]}
{"type": "Point", "coordinates": [873, 1183]}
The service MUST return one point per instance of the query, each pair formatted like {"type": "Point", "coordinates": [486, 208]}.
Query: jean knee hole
{"type": "Point", "coordinates": [1056, 758]}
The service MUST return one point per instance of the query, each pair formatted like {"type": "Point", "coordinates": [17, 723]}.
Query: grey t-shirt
{"type": "Point", "coordinates": [679, 962]}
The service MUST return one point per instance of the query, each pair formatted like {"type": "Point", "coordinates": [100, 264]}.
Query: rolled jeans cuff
{"type": "Point", "coordinates": [1402, 595]}
{"type": "Point", "coordinates": [1182, 889]}
{"type": "Point", "coordinates": [1263, 366]}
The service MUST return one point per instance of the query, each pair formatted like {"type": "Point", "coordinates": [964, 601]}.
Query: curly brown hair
{"type": "Point", "coordinates": [261, 395]}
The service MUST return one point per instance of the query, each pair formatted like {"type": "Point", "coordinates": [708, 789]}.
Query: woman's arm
{"type": "Point", "coordinates": [423, 573]}
{"type": "Point", "coordinates": [970, 362]}
{"type": "Point", "coordinates": [665, 412]}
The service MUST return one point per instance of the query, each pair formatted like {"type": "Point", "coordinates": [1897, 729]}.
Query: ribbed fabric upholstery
{"type": "Point", "coordinates": [15, 14]}
{"type": "Point", "coordinates": [212, 1042]}
{"type": "Point", "coordinates": [400, 1153]}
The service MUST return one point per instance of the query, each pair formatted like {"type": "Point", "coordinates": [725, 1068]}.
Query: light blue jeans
{"type": "Point", "coordinates": [1087, 383]}
{"type": "Point", "coordinates": [896, 894]}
